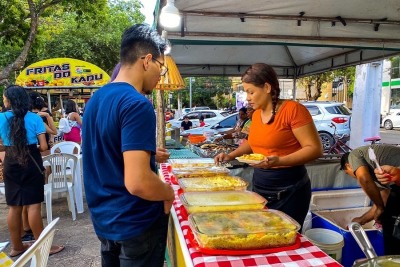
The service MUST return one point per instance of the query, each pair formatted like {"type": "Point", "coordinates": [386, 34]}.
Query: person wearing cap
{"type": "Point", "coordinates": [385, 196]}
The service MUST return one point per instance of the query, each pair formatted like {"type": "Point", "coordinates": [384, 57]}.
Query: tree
{"type": "Point", "coordinates": [19, 26]}
{"type": "Point", "coordinates": [317, 81]}
{"type": "Point", "coordinates": [96, 41]}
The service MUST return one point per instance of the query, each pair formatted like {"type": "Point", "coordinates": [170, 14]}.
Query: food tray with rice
{"type": "Point", "coordinates": [241, 230]}
{"type": "Point", "coordinates": [190, 172]}
{"type": "Point", "coordinates": [222, 201]}
{"type": "Point", "coordinates": [215, 183]}
{"type": "Point", "coordinates": [251, 158]}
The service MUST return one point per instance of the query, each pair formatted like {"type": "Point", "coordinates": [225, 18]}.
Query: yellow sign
{"type": "Point", "coordinates": [62, 72]}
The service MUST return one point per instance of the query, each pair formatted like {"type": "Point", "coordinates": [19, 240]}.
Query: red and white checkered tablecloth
{"type": "Point", "coordinates": [306, 256]}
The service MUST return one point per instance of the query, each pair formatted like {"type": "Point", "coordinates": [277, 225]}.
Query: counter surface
{"type": "Point", "coordinates": [306, 255]}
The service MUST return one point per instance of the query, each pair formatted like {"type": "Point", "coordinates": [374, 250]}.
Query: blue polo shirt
{"type": "Point", "coordinates": [116, 119]}
{"type": "Point", "coordinates": [33, 124]}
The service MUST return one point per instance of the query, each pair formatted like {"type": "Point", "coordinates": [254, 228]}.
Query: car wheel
{"type": "Point", "coordinates": [327, 140]}
{"type": "Point", "coordinates": [388, 125]}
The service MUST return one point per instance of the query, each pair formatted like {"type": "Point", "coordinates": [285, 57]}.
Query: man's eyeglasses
{"type": "Point", "coordinates": [163, 68]}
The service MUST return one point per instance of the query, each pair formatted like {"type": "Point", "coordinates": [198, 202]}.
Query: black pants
{"type": "Point", "coordinates": [287, 190]}
{"type": "Point", "coordinates": [147, 249]}
{"type": "Point", "coordinates": [392, 208]}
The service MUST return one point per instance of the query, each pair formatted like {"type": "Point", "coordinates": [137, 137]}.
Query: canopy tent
{"type": "Point", "coordinates": [298, 38]}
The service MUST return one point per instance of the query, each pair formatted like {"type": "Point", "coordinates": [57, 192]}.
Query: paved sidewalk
{"type": "Point", "coordinates": [82, 248]}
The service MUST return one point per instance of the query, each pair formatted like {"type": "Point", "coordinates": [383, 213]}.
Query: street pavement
{"type": "Point", "coordinates": [82, 248]}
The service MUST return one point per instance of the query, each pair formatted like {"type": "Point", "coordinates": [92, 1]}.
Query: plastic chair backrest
{"type": "Point", "coordinates": [59, 176]}
{"type": "Point", "coordinates": [66, 147]}
{"type": "Point", "coordinates": [39, 251]}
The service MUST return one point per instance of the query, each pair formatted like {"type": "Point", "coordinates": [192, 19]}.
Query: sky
{"type": "Point", "coordinates": [147, 10]}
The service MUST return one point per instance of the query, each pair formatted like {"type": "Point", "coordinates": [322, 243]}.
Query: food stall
{"type": "Point", "coordinates": [63, 77]}
{"type": "Point", "coordinates": [186, 249]}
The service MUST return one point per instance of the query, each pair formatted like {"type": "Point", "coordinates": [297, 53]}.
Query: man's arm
{"type": "Point", "coordinates": [141, 181]}
{"type": "Point", "coordinates": [370, 188]}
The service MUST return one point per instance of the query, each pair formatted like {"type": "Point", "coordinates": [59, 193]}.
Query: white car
{"type": "Point", "coordinates": [391, 121]}
{"type": "Point", "coordinates": [324, 113]}
{"type": "Point", "coordinates": [210, 117]}
{"type": "Point", "coordinates": [223, 125]}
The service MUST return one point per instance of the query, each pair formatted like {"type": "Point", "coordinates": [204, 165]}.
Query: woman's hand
{"type": "Point", "coordinates": [268, 162]}
{"type": "Point", "coordinates": [222, 157]}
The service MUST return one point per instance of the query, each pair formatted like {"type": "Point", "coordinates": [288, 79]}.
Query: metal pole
{"type": "Point", "coordinates": [190, 92]}
{"type": "Point", "coordinates": [48, 100]}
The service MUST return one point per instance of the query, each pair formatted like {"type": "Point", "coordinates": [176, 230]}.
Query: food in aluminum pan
{"type": "Point", "coordinates": [257, 229]}
{"type": "Point", "coordinates": [215, 183]}
{"type": "Point", "coordinates": [222, 201]}
{"type": "Point", "coordinates": [200, 172]}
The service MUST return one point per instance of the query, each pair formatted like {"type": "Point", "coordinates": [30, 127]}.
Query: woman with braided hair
{"type": "Point", "coordinates": [284, 132]}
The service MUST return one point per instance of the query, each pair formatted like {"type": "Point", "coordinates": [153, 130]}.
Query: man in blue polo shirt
{"type": "Point", "coordinates": [128, 202]}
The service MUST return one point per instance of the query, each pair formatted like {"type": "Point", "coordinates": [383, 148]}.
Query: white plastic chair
{"type": "Point", "coordinates": [38, 252]}
{"type": "Point", "coordinates": [58, 181]}
{"type": "Point", "coordinates": [66, 147]}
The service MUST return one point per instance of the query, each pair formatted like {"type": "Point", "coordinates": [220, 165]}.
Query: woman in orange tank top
{"type": "Point", "coordinates": [284, 132]}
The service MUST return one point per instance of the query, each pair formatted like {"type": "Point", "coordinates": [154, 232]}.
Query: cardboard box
{"type": "Point", "coordinates": [335, 209]}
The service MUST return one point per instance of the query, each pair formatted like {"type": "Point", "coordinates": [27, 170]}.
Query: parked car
{"type": "Point", "coordinates": [391, 121]}
{"type": "Point", "coordinates": [324, 114]}
{"type": "Point", "coordinates": [210, 117]}
{"type": "Point", "coordinates": [221, 126]}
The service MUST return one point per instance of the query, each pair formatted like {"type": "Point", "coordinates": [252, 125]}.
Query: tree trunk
{"type": "Point", "coordinates": [160, 118]}
{"type": "Point", "coordinates": [21, 59]}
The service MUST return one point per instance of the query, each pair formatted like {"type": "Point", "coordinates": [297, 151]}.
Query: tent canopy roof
{"type": "Point", "coordinates": [298, 38]}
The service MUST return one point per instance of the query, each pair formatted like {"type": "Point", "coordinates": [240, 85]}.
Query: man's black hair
{"type": "Point", "coordinates": [138, 41]}
{"type": "Point", "coordinates": [243, 109]}
{"type": "Point", "coordinates": [344, 160]}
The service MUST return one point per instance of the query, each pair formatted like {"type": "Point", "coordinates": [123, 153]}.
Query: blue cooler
{"type": "Point", "coordinates": [334, 210]}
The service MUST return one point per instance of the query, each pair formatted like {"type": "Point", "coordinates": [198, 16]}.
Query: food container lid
{"type": "Point", "coordinates": [242, 222]}
{"type": "Point", "coordinates": [219, 198]}
{"type": "Point", "coordinates": [212, 183]}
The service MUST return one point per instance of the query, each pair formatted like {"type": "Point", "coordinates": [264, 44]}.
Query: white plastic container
{"type": "Point", "coordinates": [328, 241]}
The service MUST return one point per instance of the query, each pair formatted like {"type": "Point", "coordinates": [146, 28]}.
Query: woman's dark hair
{"type": "Point", "coordinates": [70, 106]}
{"type": "Point", "coordinates": [20, 105]}
{"type": "Point", "coordinates": [202, 118]}
{"type": "Point", "coordinates": [259, 74]}
{"type": "Point", "coordinates": [37, 101]}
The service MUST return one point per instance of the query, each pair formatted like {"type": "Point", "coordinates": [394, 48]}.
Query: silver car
{"type": "Point", "coordinates": [210, 117]}
{"type": "Point", "coordinates": [221, 126]}
{"type": "Point", "coordinates": [324, 113]}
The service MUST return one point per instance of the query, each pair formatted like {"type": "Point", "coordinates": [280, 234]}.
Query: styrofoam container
{"type": "Point", "coordinates": [335, 209]}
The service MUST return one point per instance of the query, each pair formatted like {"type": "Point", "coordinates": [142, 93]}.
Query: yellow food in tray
{"type": "Point", "coordinates": [193, 165]}
{"type": "Point", "coordinates": [243, 229]}
{"type": "Point", "coordinates": [222, 201]}
{"type": "Point", "coordinates": [252, 156]}
{"type": "Point", "coordinates": [200, 172]}
{"type": "Point", "coordinates": [215, 183]}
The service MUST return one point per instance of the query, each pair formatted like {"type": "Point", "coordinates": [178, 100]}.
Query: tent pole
{"type": "Point", "coordinates": [62, 106]}
{"type": "Point", "coordinates": [48, 100]}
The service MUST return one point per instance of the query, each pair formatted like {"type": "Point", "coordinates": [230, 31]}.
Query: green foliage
{"type": "Point", "coordinates": [89, 30]}
{"type": "Point", "coordinates": [395, 68]}
{"type": "Point", "coordinates": [94, 40]}
{"type": "Point", "coordinates": [214, 92]}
